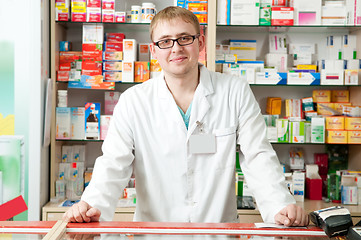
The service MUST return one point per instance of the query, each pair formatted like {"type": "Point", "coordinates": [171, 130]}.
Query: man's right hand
{"type": "Point", "coordinates": [82, 212]}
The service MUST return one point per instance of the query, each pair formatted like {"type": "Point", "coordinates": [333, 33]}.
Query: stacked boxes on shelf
{"type": "Point", "coordinates": [341, 66]}
{"type": "Point", "coordinates": [326, 117]}
{"type": "Point", "coordinates": [198, 7]}
{"type": "Point", "coordinates": [289, 13]}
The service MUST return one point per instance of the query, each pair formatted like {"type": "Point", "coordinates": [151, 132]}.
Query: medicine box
{"type": "Point", "coordinates": [224, 12]}
{"type": "Point", "coordinates": [303, 78]}
{"type": "Point", "coordinates": [113, 76]}
{"type": "Point", "coordinates": [301, 48]}
{"type": "Point", "coordinates": [119, 17]}
{"type": "Point", "coordinates": [318, 130]}
{"type": "Point", "coordinates": [77, 123]}
{"type": "Point", "coordinates": [128, 71]}
{"type": "Point", "coordinates": [78, 153]}
{"type": "Point", "coordinates": [141, 71]}
{"type": "Point", "coordinates": [325, 108]}
{"type": "Point", "coordinates": [282, 130]}
{"type": "Point", "coordinates": [307, 104]}
{"type": "Point", "coordinates": [104, 125]}
{"type": "Point", "coordinates": [244, 12]}
{"type": "Point", "coordinates": [108, 15]}
{"type": "Point", "coordinates": [354, 137]}
{"type": "Point", "coordinates": [112, 66]}
{"type": "Point", "coordinates": [245, 49]}
{"type": "Point", "coordinates": [114, 37]}
{"type": "Point", "coordinates": [110, 46]}
{"type": "Point", "coordinates": [296, 132]}
{"type": "Point", "coordinates": [321, 96]}
{"type": "Point", "coordinates": [93, 33]}
{"type": "Point", "coordinates": [298, 182]}
{"type": "Point", "coordinates": [112, 56]}
{"type": "Point", "coordinates": [353, 123]}
{"type": "Point", "coordinates": [63, 123]}
{"type": "Point", "coordinates": [274, 105]}
{"type": "Point", "coordinates": [333, 15]}
{"type": "Point", "coordinates": [277, 60]}
{"type": "Point", "coordinates": [143, 52]}
{"type": "Point", "coordinates": [129, 50]}
{"type": "Point", "coordinates": [282, 16]}
{"type": "Point", "coordinates": [271, 78]}
{"type": "Point", "coordinates": [314, 188]}
{"type": "Point", "coordinates": [93, 14]}
{"type": "Point", "coordinates": [329, 77]}
{"type": "Point", "coordinates": [265, 16]}
{"type": "Point", "coordinates": [336, 136]}
{"type": "Point", "coordinates": [334, 47]}
{"type": "Point", "coordinates": [352, 77]}
{"type": "Point", "coordinates": [339, 107]}
{"type": "Point", "coordinates": [340, 96]}
{"type": "Point", "coordinates": [307, 12]}
{"type": "Point", "coordinates": [110, 100]}
{"type": "Point", "coordinates": [335, 123]}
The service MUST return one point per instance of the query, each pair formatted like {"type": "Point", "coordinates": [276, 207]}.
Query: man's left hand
{"type": "Point", "coordinates": [292, 215]}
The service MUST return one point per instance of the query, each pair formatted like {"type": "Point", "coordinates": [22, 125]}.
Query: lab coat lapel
{"type": "Point", "coordinates": [168, 104]}
{"type": "Point", "coordinates": [200, 104]}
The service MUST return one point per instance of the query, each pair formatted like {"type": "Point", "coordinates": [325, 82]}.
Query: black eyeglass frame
{"type": "Point", "coordinates": [177, 40]}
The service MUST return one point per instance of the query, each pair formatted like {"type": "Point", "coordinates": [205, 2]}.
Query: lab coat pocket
{"type": "Point", "coordinates": [226, 147]}
{"type": "Point", "coordinates": [225, 131]}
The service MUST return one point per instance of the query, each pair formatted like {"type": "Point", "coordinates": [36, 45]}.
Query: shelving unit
{"type": "Point", "coordinates": [70, 31]}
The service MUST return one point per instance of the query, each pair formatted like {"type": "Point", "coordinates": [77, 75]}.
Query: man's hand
{"type": "Point", "coordinates": [82, 212]}
{"type": "Point", "coordinates": [292, 215]}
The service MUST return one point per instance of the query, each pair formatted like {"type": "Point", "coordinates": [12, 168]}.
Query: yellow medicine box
{"type": "Point", "coordinates": [353, 123]}
{"type": "Point", "coordinates": [339, 106]}
{"type": "Point", "coordinates": [323, 108]}
{"type": "Point", "coordinates": [336, 136]}
{"type": "Point", "coordinates": [306, 67]}
{"type": "Point", "coordinates": [354, 137]}
{"type": "Point", "coordinates": [274, 105]}
{"type": "Point", "coordinates": [335, 123]}
{"type": "Point", "coordinates": [342, 96]}
{"type": "Point", "coordinates": [321, 95]}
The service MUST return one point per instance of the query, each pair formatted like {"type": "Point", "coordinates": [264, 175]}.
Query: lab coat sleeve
{"type": "Point", "coordinates": [260, 164]}
{"type": "Point", "coordinates": [114, 168]}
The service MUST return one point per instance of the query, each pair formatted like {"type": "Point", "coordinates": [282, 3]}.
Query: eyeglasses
{"type": "Point", "coordinates": [182, 41]}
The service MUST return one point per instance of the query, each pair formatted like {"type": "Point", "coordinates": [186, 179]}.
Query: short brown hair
{"type": "Point", "coordinates": [172, 12]}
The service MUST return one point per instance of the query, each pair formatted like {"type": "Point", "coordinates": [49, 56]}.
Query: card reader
{"type": "Point", "coordinates": [335, 221]}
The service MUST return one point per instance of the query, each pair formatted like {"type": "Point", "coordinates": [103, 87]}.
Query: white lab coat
{"type": "Point", "coordinates": [147, 135]}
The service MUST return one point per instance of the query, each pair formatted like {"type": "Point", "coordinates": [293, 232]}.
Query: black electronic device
{"type": "Point", "coordinates": [335, 221]}
{"type": "Point", "coordinates": [245, 202]}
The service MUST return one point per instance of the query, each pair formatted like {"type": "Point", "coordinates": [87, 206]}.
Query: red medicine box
{"type": "Point", "coordinates": [314, 189]}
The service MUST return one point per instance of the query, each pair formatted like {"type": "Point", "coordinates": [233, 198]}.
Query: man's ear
{"type": "Point", "coordinates": [152, 50]}
{"type": "Point", "coordinates": [202, 42]}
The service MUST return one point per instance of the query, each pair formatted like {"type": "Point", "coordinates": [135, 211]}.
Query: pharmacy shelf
{"type": "Point", "coordinates": [294, 85]}
{"type": "Point", "coordinates": [78, 140]}
{"type": "Point", "coordinates": [288, 29]}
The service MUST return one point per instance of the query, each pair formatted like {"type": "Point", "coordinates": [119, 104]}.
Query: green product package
{"type": "Point", "coordinates": [265, 16]}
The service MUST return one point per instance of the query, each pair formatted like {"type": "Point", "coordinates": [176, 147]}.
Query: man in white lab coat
{"type": "Point", "coordinates": [178, 133]}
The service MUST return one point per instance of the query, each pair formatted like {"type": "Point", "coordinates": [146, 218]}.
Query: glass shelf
{"type": "Point", "coordinates": [78, 140]}
{"type": "Point", "coordinates": [271, 85]}
{"type": "Point", "coordinates": [293, 29]}
{"type": "Point", "coordinates": [110, 25]}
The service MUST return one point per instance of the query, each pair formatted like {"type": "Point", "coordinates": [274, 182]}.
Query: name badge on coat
{"type": "Point", "coordinates": [202, 143]}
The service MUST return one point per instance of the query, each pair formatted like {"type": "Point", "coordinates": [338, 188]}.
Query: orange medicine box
{"type": "Point", "coordinates": [342, 96]}
{"type": "Point", "coordinates": [353, 123]}
{"type": "Point", "coordinates": [354, 137]}
{"type": "Point", "coordinates": [274, 105]}
{"type": "Point", "coordinates": [141, 71]}
{"type": "Point", "coordinates": [321, 95]}
{"type": "Point", "coordinates": [335, 123]}
{"type": "Point", "coordinates": [336, 136]}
